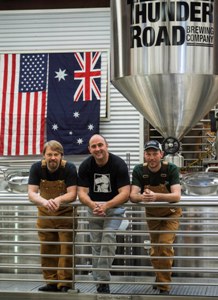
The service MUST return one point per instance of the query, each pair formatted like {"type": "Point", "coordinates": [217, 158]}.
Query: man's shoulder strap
{"type": "Point", "coordinates": [63, 163]}
{"type": "Point", "coordinates": [164, 167]}
{"type": "Point", "coordinates": [43, 166]}
{"type": "Point", "coordinates": [163, 174]}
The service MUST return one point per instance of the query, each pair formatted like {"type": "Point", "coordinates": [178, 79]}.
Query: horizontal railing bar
{"type": "Point", "coordinates": [118, 269]}
{"type": "Point", "coordinates": [197, 236]}
{"type": "Point", "coordinates": [192, 246]}
{"type": "Point", "coordinates": [123, 282]}
{"type": "Point", "coordinates": [131, 233]}
{"type": "Point", "coordinates": [188, 200]}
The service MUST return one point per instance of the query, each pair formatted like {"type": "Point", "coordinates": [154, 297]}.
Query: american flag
{"type": "Point", "coordinates": [74, 87]}
{"type": "Point", "coordinates": [22, 103]}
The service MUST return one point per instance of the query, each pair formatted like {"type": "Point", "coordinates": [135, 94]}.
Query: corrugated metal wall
{"type": "Point", "coordinates": [70, 30]}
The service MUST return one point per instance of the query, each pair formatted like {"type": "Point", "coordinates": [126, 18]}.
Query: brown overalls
{"type": "Point", "coordinates": [51, 190]}
{"type": "Point", "coordinates": [170, 221]}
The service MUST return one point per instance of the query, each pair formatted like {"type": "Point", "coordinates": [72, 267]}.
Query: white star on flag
{"type": "Point", "coordinates": [55, 127]}
{"type": "Point", "coordinates": [61, 74]}
{"type": "Point", "coordinates": [90, 127]}
{"type": "Point", "coordinates": [79, 141]}
{"type": "Point", "coordinates": [76, 114]}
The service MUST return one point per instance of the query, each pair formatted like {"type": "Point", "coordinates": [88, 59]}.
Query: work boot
{"type": "Point", "coordinates": [103, 288]}
{"type": "Point", "coordinates": [48, 288]}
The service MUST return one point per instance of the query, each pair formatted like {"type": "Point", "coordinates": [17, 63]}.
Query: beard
{"type": "Point", "coordinates": [52, 165]}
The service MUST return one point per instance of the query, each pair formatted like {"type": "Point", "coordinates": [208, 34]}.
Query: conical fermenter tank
{"type": "Point", "coordinates": [164, 60]}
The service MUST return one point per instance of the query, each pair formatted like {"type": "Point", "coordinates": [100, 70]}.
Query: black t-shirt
{"type": "Point", "coordinates": [69, 174]}
{"type": "Point", "coordinates": [103, 182]}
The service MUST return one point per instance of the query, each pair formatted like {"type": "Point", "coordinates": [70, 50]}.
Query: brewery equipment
{"type": "Point", "coordinates": [18, 224]}
{"type": "Point", "coordinates": [200, 183]}
{"type": "Point", "coordinates": [163, 61]}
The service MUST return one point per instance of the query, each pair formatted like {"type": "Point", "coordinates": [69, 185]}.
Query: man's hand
{"type": "Point", "coordinates": [148, 196]}
{"type": "Point", "coordinates": [51, 205]}
{"type": "Point", "coordinates": [99, 209]}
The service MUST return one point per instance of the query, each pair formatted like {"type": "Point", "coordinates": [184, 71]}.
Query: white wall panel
{"type": "Point", "coordinates": [70, 30]}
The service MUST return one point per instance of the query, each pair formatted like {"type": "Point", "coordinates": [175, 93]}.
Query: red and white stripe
{"type": "Point", "coordinates": [22, 124]}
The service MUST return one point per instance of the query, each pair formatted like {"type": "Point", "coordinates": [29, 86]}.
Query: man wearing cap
{"type": "Point", "coordinates": [158, 181]}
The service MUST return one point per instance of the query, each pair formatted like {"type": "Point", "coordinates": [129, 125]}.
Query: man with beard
{"type": "Point", "coordinates": [158, 181]}
{"type": "Point", "coordinates": [52, 186]}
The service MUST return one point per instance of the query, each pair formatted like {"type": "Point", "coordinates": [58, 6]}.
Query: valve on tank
{"type": "Point", "coordinates": [171, 147]}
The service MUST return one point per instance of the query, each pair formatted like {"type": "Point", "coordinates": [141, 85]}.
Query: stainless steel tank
{"type": "Point", "coordinates": [163, 60]}
{"type": "Point", "coordinates": [21, 256]}
{"type": "Point", "coordinates": [19, 252]}
{"type": "Point", "coordinates": [199, 225]}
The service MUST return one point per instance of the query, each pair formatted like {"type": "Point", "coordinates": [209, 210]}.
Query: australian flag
{"type": "Point", "coordinates": [74, 93]}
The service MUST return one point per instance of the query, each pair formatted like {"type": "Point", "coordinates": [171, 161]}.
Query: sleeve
{"type": "Point", "coordinates": [71, 175]}
{"type": "Point", "coordinates": [123, 175]}
{"type": "Point", "coordinates": [83, 175]}
{"type": "Point", "coordinates": [34, 175]}
{"type": "Point", "coordinates": [136, 177]}
{"type": "Point", "coordinates": [174, 175]}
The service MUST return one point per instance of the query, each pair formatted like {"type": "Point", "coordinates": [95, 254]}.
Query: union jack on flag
{"type": "Point", "coordinates": [88, 75]}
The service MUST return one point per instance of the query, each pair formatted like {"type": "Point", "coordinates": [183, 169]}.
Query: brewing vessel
{"type": "Point", "coordinates": [163, 60]}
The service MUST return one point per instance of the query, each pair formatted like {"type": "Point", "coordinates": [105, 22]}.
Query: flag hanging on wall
{"type": "Point", "coordinates": [59, 91]}
{"type": "Point", "coordinates": [22, 103]}
{"type": "Point", "coordinates": [73, 99]}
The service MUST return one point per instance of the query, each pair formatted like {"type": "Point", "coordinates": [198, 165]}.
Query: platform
{"type": "Point", "coordinates": [187, 289]}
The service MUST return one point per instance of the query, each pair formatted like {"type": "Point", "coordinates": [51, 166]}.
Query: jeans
{"type": "Point", "coordinates": [104, 243]}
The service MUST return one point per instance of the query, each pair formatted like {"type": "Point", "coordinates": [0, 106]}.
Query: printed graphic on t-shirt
{"type": "Point", "coordinates": [102, 183]}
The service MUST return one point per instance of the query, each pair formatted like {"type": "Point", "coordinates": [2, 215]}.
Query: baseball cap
{"type": "Point", "coordinates": [153, 144]}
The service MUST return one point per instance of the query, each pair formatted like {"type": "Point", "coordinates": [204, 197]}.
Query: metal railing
{"type": "Point", "coordinates": [195, 246]}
